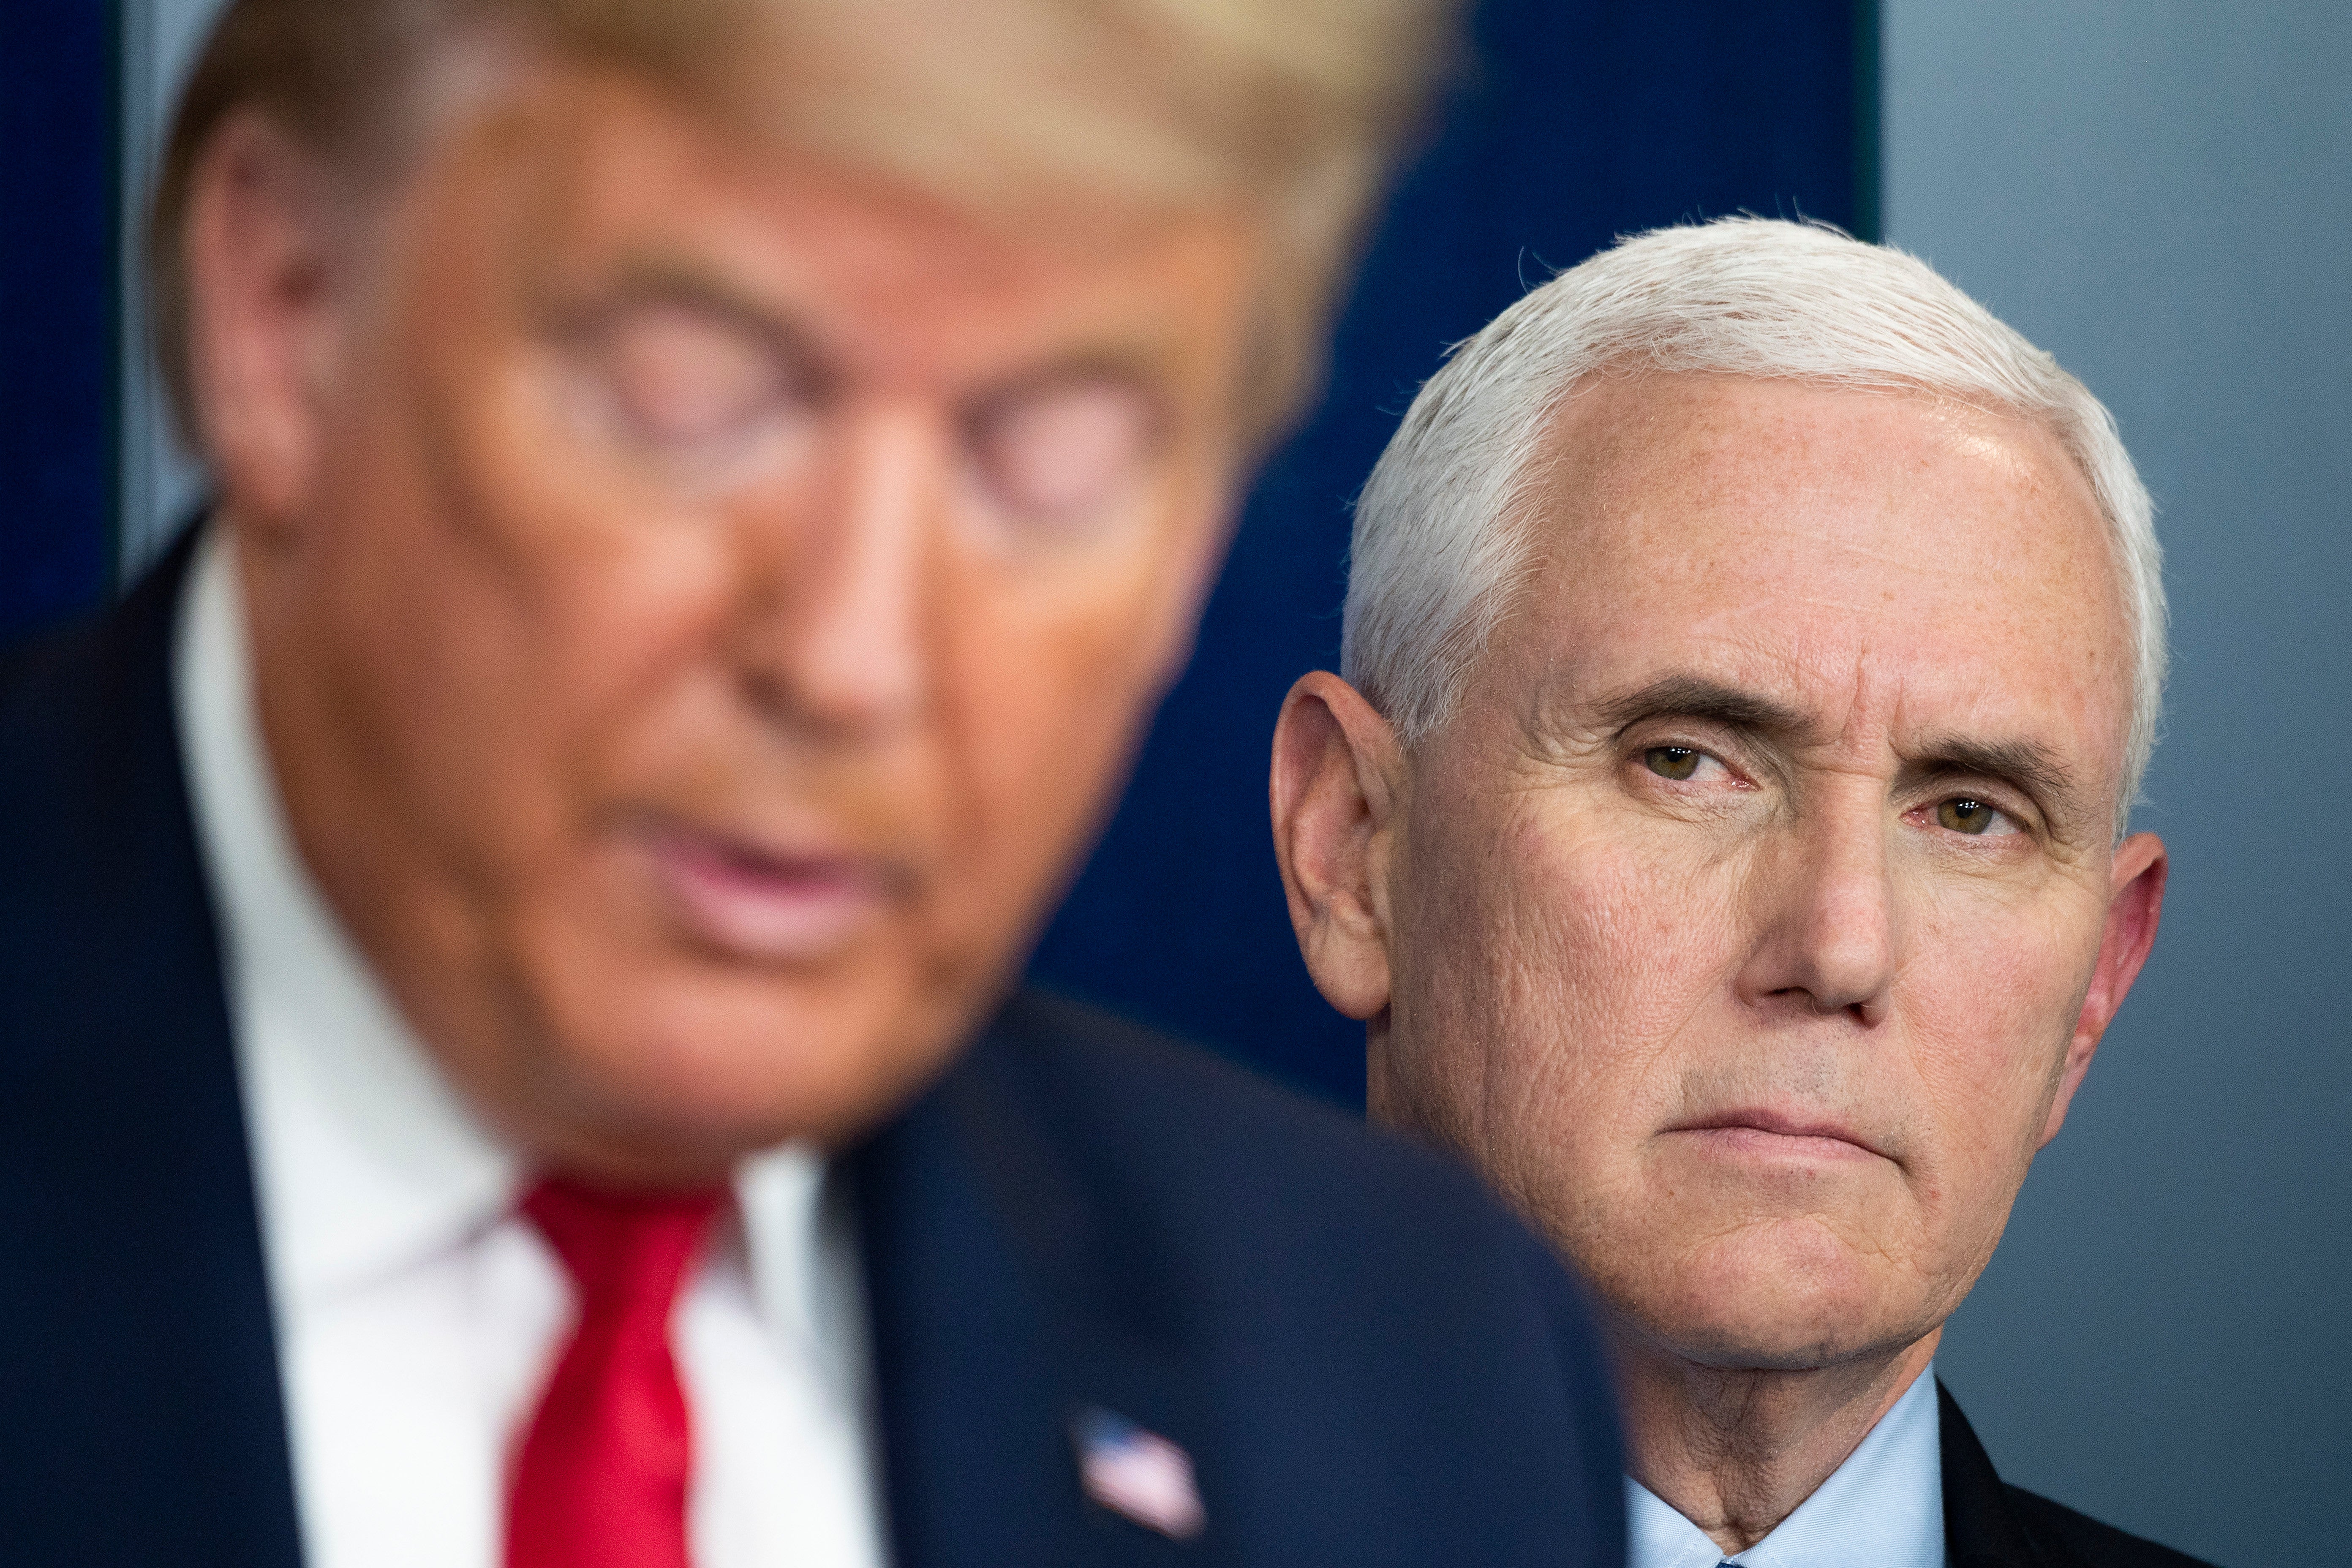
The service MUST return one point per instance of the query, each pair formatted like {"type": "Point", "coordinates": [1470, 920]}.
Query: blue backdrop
{"type": "Point", "coordinates": [58, 356]}
{"type": "Point", "coordinates": [1576, 121]}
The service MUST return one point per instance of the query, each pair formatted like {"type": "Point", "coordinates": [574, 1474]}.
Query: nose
{"type": "Point", "coordinates": [832, 635]}
{"type": "Point", "coordinates": [1825, 937]}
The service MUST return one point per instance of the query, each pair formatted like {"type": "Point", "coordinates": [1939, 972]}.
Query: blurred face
{"type": "Point", "coordinates": [705, 601]}
{"type": "Point", "coordinates": [1750, 922]}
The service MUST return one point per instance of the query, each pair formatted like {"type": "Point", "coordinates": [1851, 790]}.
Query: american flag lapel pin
{"type": "Point", "coordinates": [1138, 1475]}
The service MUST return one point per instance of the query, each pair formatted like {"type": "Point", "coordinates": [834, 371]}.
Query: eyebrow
{"type": "Point", "coordinates": [1077, 369]}
{"type": "Point", "coordinates": [2027, 765]}
{"type": "Point", "coordinates": [662, 281]}
{"type": "Point", "coordinates": [1697, 697]}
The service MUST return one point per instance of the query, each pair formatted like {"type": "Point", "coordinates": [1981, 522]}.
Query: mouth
{"type": "Point", "coordinates": [765, 901]}
{"type": "Point", "coordinates": [1752, 1133]}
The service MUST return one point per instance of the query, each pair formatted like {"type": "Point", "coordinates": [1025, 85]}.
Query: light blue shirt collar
{"type": "Point", "coordinates": [1884, 1508]}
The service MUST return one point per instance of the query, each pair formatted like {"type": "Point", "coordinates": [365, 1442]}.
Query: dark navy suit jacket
{"type": "Point", "coordinates": [1367, 1362]}
{"type": "Point", "coordinates": [1988, 1523]}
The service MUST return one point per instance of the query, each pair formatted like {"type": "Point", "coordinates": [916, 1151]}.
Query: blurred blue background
{"type": "Point", "coordinates": [59, 122]}
{"type": "Point", "coordinates": [2159, 192]}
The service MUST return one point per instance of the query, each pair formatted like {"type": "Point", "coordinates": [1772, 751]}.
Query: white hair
{"type": "Point", "coordinates": [1443, 532]}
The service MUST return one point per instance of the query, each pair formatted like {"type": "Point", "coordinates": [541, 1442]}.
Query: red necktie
{"type": "Point", "coordinates": [601, 1478]}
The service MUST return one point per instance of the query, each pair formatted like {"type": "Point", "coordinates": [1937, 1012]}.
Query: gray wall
{"type": "Point", "coordinates": [2160, 192]}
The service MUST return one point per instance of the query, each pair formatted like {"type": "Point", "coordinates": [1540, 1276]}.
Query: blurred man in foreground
{"type": "Point", "coordinates": [497, 925]}
{"type": "Point", "coordinates": [1753, 649]}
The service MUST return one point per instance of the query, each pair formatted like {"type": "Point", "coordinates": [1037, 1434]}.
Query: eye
{"type": "Point", "coordinates": [1966, 814]}
{"type": "Point", "coordinates": [1676, 763]}
{"type": "Point", "coordinates": [684, 386]}
{"type": "Point", "coordinates": [1062, 452]}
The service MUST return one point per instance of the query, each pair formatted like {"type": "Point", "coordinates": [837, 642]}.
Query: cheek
{"type": "Point", "coordinates": [1046, 687]}
{"type": "Point", "coordinates": [1989, 993]}
{"type": "Point", "coordinates": [1548, 964]}
{"type": "Point", "coordinates": [521, 625]}
{"type": "Point", "coordinates": [1991, 984]}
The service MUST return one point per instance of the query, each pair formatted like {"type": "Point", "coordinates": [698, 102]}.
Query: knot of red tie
{"type": "Point", "coordinates": [601, 1478]}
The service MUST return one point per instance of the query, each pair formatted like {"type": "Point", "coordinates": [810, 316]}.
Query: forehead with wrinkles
{"type": "Point", "coordinates": [1876, 568]}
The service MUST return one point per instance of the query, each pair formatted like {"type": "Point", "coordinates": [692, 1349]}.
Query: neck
{"type": "Point", "coordinates": [1735, 1451]}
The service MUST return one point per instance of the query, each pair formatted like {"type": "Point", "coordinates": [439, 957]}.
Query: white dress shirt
{"type": "Point", "coordinates": [417, 1314]}
{"type": "Point", "coordinates": [1884, 1508]}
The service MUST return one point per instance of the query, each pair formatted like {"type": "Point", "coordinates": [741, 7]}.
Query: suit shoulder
{"type": "Point", "coordinates": [71, 687]}
{"type": "Point", "coordinates": [1067, 1037]}
{"type": "Point", "coordinates": [2085, 1541]}
{"type": "Point", "coordinates": [1215, 1160]}
{"type": "Point", "coordinates": [1149, 1091]}
{"type": "Point", "coordinates": [1368, 1357]}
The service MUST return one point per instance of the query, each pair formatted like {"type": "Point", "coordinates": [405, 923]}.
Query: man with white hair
{"type": "Point", "coordinates": [509, 944]}
{"type": "Point", "coordinates": [1753, 651]}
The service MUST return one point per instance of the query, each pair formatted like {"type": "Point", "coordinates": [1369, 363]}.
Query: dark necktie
{"type": "Point", "coordinates": [601, 1478]}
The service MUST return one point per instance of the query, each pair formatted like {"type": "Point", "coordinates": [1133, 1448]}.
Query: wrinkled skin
{"type": "Point", "coordinates": [702, 600]}
{"type": "Point", "coordinates": [1755, 918]}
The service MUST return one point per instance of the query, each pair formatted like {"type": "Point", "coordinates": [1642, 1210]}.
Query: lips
{"type": "Point", "coordinates": [763, 902]}
{"type": "Point", "coordinates": [1770, 1133]}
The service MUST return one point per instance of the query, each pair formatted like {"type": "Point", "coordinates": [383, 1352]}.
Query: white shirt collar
{"type": "Point", "coordinates": [366, 1159]}
{"type": "Point", "coordinates": [1882, 1508]}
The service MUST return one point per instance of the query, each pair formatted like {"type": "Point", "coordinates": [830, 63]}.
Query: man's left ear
{"type": "Point", "coordinates": [2134, 906]}
{"type": "Point", "coordinates": [264, 291]}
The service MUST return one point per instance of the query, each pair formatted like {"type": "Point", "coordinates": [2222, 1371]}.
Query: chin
{"type": "Point", "coordinates": [1762, 1339]}
{"type": "Point", "coordinates": [677, 1059]}
{"type": "Point", "coordinates": [1784, 1295]}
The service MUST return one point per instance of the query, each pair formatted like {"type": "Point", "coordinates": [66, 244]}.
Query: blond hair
{"type": "Point", "coordinates": [1292, 109]}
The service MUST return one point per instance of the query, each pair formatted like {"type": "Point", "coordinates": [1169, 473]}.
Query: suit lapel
{"type": "Point", "coordinates": [144, 1418]}
{"type": "Point", "coordinates": [1980, 1530]}
{"type": "Point", "coordinates": [1004, 1313]}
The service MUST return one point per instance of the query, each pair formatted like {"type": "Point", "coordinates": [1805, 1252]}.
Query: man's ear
{"type": "Point", "coordinates": [1337, 776]}
{"type": "Point", "coordinates": [264, 298]}
{"type": "Point", "coordinates": [2134, 904]}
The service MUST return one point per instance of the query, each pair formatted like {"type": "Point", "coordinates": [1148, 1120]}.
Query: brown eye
{"type": "Point", "coordinates": [1062, 452]}
{"type": "Point", "coordinates": [1672, 762]}
{"type": "Point", "coordinates": [1964, 815]}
